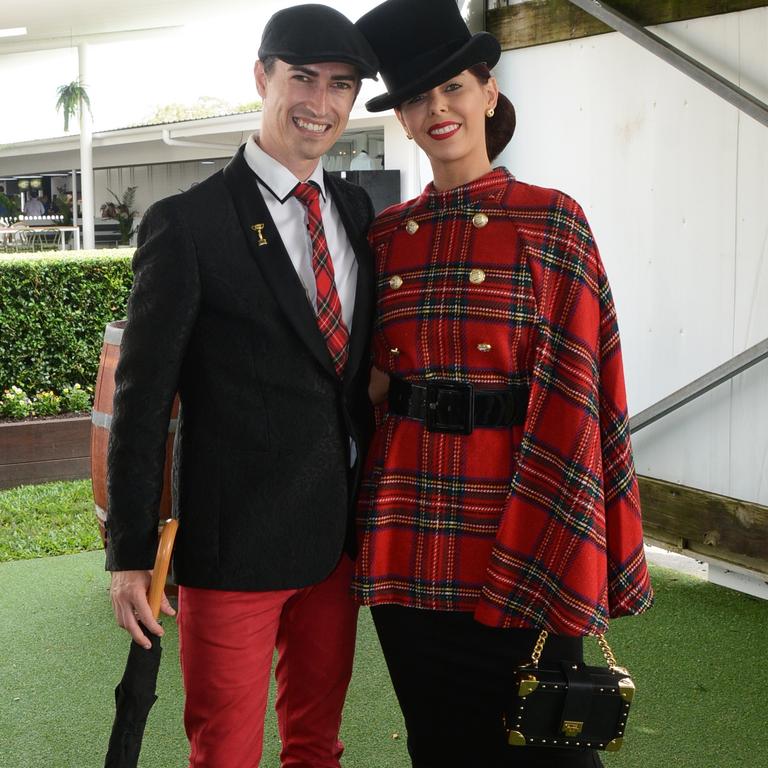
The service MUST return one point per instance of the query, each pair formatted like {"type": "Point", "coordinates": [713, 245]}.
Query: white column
{"type": "Point", "coordinates": [86, 155]}
{"type": "Point", "coordinates": [74, 197]}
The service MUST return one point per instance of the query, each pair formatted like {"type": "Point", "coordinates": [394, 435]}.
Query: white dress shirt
{"type": "Point", "coordinates": [34, 207]}
{"type": "Point", "coordinates": [277, 183]}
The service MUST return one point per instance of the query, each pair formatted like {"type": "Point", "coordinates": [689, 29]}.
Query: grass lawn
{"type": "Point", "coordinates": [50, 519]}
{"type": "Point", "coordinates": [698, 659]}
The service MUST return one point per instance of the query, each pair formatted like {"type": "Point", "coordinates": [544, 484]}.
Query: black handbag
{"type": "Point", "coordinates": [565, 704]}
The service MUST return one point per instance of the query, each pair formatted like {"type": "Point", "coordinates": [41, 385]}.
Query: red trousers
{"type": "Point", "coordinates": [227, 641]}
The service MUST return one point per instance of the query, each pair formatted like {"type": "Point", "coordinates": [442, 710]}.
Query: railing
{"type": "Point", "coordinates": [702, 74]}
{"type": "Point", "coordinates": [51, 218]}
{"type": "Point", "coordinates": [698, 387]}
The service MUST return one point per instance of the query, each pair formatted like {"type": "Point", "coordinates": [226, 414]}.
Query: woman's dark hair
{"type": "Point", "coordinates": [500, 128]}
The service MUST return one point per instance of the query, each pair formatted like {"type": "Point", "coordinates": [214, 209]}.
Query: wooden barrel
{"type": "Point", "coordinates": [101, 420]}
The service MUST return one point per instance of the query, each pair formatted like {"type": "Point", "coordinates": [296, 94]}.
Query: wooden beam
{"type": "Point", "coordinates": [705, 523]}
{"type": "Point", "coordinates": [549, 21]}
{"type": "Point", "coordinates": [35, 472]}
{"type": "Point", "coordinates": [44, 450]}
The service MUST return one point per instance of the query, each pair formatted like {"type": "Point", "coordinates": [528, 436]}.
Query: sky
{"type": "Point", "coordinates": [129, 80]}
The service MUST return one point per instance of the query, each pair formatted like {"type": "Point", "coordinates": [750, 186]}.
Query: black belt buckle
{"type": "Point", "coordinates": [449, 407]}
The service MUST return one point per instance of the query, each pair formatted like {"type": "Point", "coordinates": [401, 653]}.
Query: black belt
{"type": "Point", "coordinates": [457, 407]}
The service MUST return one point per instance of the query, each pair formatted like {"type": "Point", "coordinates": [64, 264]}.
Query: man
{"type": "Point", "coordinates": [239, 308]}
{"type": "Point", "coordinates": [34, 207]}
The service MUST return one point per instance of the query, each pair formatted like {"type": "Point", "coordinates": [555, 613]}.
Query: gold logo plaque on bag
{"type": "Point", "coordinates": [548, 706]}
{"type": "Point", "coordinates": [572, 727]}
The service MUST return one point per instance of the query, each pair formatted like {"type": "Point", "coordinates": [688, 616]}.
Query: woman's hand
{"type": "Point", "coordinates": [378, 386]}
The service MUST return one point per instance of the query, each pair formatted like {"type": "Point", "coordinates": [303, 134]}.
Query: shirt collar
{"type": "Point", "coordinates": [274, 176]}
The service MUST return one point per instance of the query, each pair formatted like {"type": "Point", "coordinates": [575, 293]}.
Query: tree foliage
{"type": "Point", "coordinates": [205, 106]}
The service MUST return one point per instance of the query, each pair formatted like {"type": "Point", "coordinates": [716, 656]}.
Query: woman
{"type": "Point", "coordinates": [500, 496]}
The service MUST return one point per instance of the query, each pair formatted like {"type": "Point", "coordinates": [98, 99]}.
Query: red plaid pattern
{"type": "Point", "coordinates": [329, 318]}
{"type": "Point", "coordinates": [531, 526]}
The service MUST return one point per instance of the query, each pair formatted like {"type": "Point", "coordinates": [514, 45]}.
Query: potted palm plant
{"type": "Point", "coordinates": [123, 212]}
{"type": "Point", "coordinates": [9, 207]}
{"type": "Point", "coordinates": [63, 205]}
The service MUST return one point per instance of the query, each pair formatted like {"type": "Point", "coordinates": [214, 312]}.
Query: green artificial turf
{"type": "Point", "coordinates": [63, 655]}
{"type": "Point", "coordinates": [49, 519]}
{"type": "Point", "coordinates": [698, 659]}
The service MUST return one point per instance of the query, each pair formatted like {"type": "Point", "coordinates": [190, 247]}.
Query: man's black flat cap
{"type": "Point", "coordinates": [310, 34]}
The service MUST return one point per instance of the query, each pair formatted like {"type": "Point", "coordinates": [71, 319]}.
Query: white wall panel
{"type": "Point", "coordinates": [153, 182]}
{"type": "Point", "coordinates": [675, 184]}
{"type": "Point", "coordinates": [749, 457]}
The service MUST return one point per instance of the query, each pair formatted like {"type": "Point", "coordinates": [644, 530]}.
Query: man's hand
{"type": "Point", "coordinates": [129, 602]}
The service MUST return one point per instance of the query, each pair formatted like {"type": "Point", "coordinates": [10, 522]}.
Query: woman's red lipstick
{"type": "Point", "coordinates": [443, 130]}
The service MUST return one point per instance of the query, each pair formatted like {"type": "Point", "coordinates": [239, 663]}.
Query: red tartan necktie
{"type": "Point", "coordinates": [329, 319]}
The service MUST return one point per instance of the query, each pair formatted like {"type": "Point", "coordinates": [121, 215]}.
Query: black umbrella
{"type": "Point", "coordinates": [135, 694]}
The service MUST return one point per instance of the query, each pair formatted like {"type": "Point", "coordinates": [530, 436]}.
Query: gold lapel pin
{"type": "Point", "coordinates": [258, 229]}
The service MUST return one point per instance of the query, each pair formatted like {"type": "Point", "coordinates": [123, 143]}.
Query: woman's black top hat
{"type": "Point", "coordinates": [420, 44]}
{"type": "Point", "coordinates": [312, 34]}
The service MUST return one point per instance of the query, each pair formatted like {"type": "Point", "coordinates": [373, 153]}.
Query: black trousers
{"type": "Point", "coordinates": [453, 676]}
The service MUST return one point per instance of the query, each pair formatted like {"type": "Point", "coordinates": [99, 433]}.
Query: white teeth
{"type": "Point", "coordinates": [315, 127]}
{"type": "Point", "coordinates": [446, 129]}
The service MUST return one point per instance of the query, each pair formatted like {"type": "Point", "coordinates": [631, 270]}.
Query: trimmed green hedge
{"type": "Point", "coordinates": [53, 310]}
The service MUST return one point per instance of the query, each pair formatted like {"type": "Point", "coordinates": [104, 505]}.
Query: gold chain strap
{"type": "Point", "coordinates": [539, 647]}
{"type": "Point", "coordinates": [604, 647]}
{"type": "Point", "coordinates": [607, 652]}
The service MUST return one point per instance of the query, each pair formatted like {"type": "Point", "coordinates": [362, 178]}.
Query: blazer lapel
{"type": "Point", "coordinates": [272, 258]}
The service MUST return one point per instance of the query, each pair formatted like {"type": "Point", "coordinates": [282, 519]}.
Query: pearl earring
{"type": "Point", "coordinates": [410, 138]}
{"type": "Point", "coordinates": [490, 113]}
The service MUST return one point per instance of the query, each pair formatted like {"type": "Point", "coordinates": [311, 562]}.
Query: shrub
{"type": "Point", "coordinates": [75, 399]}
{"type": "Point", "coordinates": [15, 404]}
{"type": "Point", "coordinates": [46, 404]}
{"type": "Point", "coordinates": [53, 310]}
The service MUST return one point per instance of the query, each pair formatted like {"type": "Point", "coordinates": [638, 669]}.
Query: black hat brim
{"type": "Point", "coordinates": [482, 47]}
{"type": "Point", "coordinates": [363, 67]}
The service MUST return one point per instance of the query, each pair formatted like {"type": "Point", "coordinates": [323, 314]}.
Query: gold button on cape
{"type": "Point", "coordinates": [477, 276]}
{"type": "Point", "coordinates": [479, 220]}
{"type": "Point", "coordinates": [395, 282]}
{"type": "Point", "coordinates": [411, 227]}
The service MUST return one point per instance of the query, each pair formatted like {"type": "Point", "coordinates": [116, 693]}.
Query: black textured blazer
{"type": "Point", "coordinates": [262, 482]}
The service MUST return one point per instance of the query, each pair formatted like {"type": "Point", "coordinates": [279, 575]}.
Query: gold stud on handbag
{"type": "Point", "coordinates": [568, 704]}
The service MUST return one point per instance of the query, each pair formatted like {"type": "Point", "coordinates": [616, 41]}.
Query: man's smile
{"type": "Point", "coordinates": [308, 125]}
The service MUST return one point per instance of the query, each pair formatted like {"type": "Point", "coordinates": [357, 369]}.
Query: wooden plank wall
{"type": "Point", "coordinates": [44, 451]}
{"type": "Point", "coordinates": [550, 21]}
{"type": "Point", "coordinates": [705, 523]}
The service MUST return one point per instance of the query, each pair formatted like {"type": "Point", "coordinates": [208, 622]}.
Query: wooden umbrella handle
{"type": "Point", "coordinates": [162, 561]}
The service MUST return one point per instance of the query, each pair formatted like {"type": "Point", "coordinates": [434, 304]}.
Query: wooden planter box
{"type": "Point", "coordinates": [45, 450]}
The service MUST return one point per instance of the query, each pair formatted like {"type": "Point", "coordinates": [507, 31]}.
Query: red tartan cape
{"type": "Point", "coordinates": [530, 526]}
